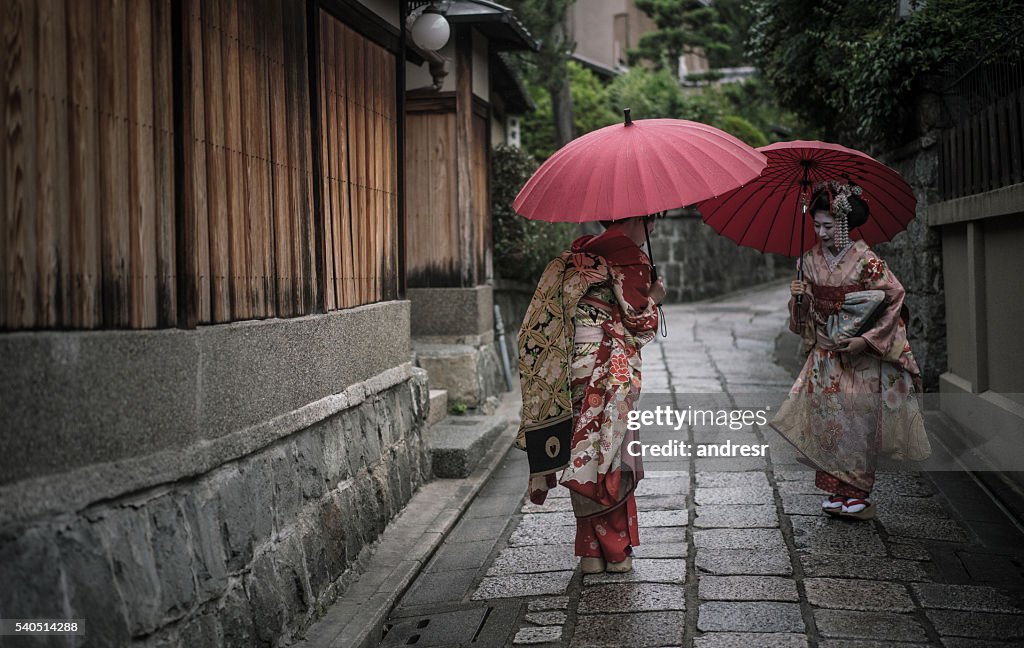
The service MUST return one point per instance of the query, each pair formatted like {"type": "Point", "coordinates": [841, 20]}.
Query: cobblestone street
{"type": "Point", "coordinates": [735, 552]}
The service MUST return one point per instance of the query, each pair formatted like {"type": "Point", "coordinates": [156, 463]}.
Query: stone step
{"type": "Point", "coordinates": [457, 443]}
{"type": "Point", "coordinates": [438, 406]}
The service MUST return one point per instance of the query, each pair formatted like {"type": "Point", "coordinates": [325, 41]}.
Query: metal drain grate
{"type": "Point", "coordinates": [479, 626]}
{"type": "Point", "coordinates": [441, 629]}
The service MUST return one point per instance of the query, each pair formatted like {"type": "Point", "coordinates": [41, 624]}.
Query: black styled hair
{"type": "Point", "coordinates": [859, 210]}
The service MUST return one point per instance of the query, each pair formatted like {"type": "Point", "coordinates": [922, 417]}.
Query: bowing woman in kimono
{"type": "Point", "coordinates": [855, 399]}
{"type": "Point", "coordinates": [580, 369]}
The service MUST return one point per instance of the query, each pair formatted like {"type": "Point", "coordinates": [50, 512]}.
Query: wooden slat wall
{"type": "Point", "coordinates": [359, 149]}
{"type": "Point", "coordinates": [248, 186]}
{"type": "Point", "coordinates": [87, 167]}
{"type": "Point", "coordinates": [985, 151]}
{"type": "Point", "coordinates": [431, 213]}
{"type": "Point", "coordinates": [95, 229]}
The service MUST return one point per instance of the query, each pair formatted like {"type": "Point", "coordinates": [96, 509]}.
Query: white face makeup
{"type": "Point", "coordinates": [824, 227]}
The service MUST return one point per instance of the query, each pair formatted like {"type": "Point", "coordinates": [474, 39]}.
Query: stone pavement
{"type": "Point", "coordinates": [734, 552]}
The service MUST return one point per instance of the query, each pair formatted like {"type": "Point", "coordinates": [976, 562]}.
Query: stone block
{"type": "Point", "coordinates": [747, 588]}
{"type": "Point", "coordinates": [201, 631]}
{"type": "Point", "coordinates": [631, 597]}
{"type": "Point", "coordinates": [548, 603]}
{"type": "Point", "coordinates": [739, 516]}
{"type": "Point", "coordinates": [527, 560]}
{"type": "Point", "coordinates": [89, 583]}
{"type": "Point", "coordinates": [756, 562]}
{"type": "Point", "coordinates": [173, 553]}
{"type": "Point", "coordinates": [531, 636]}
{"type": "Point", "coordinates": [720, 616]}
{"type": "Point", "coordinates": [863, 595]}
{"type": "Point", "coordinates": [739, 539]}
{"type": "Point", "coordinates": [236, 619]}
{"type": "Point", "coordinates": [287, 489]}
{"type": "Point", "coordinates": [831, 535]}
{"type": "Point", "coordinates": [311, 468]}
{"type": "Point", "coordinates": [331, 530]}
{"type": "Point", "coordinates": [458, 443]}
{"type": "Point", "coordinates": [750, 639]}
{"type": "Point", "coordinates": [518, 585]}
{"type": "Point", "coordinates": [127, 534]}
{"type": "Point", "coordinates": [315, 555]}
{"type": "Point", "coordinates": [648, 549]}
{"type": "Point", "coordinates": [30, 568]}
{"type": "Point", "coordinates": [979, 625]}
{"type": "Point", "coordinates": [740, 495]}
{"type": "Point", "coordinates": [546, 618]}
{"type": "Point", "coordinates": [289, 564]}
{"type": "Point", "coordinates": [646, 570]}
{"type": "Point", "coordinates": [337, 435]}
{"type": "Point", "coordinates": [970, 598]}
{"type": "Point", "coordinates": [868, 625]}
{"type": "Point", "coordinates": [237, 515]}
{"type": "Point", "coordinates": [438, 405]}
{"type": "Point", "coordinates": [858, 566]}
{"type": "Point", "coordinates": [470, 374]}
{"type": "Point", "coordinates": [652, 519]}
{"type": "Point", "coordinates": [638, 629]}
{"type": "Point", "coordinates": [732, 480]}
{"type": "Point", "coordinates": [451, 311]}
{"type": "Point", "coordinates": [660, 502]}
{"type": "Point", "coordinates": [263, 588]}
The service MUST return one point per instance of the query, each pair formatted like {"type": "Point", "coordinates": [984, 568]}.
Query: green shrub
{"type": "Point", "coordinates": [742, 129]}
{"type": "Point", "coordinates": [522, 247]}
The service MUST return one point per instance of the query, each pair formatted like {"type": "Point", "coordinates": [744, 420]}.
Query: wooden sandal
{"type": "Point", "coordinates": [863, 509]}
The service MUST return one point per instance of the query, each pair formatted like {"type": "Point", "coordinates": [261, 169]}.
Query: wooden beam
{"type": "Point", "coordinates": [464, 149]}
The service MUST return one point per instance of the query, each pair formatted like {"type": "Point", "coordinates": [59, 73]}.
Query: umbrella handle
{"type": "Point", "coordinates": [654, 277]}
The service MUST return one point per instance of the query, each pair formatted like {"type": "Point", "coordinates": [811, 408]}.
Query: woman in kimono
{"type": "Point", "coordinates": [855, 398]}
{"type": "Point", "coordinates": [579, 360]}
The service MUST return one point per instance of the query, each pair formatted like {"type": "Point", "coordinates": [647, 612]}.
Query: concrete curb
{"type": "Point", "coordinates": [356, 619]}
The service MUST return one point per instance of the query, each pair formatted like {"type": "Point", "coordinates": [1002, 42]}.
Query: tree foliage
{"type": "Point", "coordinates": [851, 68]}
{"type": "Point", "coordinates": [548, 69]}
{"type": "Point", "coordinates": [592, 110]}
{"type": "Point", "coordinates": [684, 26]}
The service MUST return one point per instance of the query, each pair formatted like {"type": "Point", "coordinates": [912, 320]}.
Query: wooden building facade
{"type": "Point", "coordinates": [170, 164]}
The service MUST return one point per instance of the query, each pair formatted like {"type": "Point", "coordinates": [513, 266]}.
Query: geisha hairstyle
{"type": "Point", "coordinates": [844, 203]}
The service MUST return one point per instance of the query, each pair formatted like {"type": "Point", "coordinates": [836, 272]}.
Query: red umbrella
{"type": "Point", "coordinates": [766, 213]}
{"type": "Point", "coordinates": [634, 169]}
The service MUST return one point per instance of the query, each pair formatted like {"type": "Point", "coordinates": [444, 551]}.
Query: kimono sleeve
{"type": "Point", "coordinates": [875, 275]}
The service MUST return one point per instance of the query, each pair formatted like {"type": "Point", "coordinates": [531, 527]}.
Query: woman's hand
{"type": "Point", "coordinates": [854, 346]}
{"type": "Point", "coordinates": [658, 291]}
{"type": "Point", "coordinates": [797, 287]}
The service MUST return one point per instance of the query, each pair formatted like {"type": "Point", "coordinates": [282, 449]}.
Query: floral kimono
{"type": "Point", "coordinates": [843, 412]}
{"type": "Point", "coordinates": [580, 371]}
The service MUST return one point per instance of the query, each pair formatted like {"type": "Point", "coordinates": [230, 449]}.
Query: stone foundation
{"type": "Point", "coordinates": [246, 554]}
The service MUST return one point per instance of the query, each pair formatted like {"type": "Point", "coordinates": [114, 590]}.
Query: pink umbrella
{"type": "Point", "coordinates": [638, 168]}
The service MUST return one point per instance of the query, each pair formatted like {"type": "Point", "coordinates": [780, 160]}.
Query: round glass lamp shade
{"type": "Point", "coordinates": [431, 31]}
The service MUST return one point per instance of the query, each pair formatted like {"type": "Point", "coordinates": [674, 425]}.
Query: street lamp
{"type": "Point", "coordinates": [431, 29]}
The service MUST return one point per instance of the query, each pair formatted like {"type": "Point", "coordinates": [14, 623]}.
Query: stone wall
{"type": "Point", "coordinates": [915, 257]}
{"type": "Point", "coordinates": [208, 487]}
{"type": "Point", "coordinates": [246, 554]}
{"type": "Point", "coordinates": [698, 263]}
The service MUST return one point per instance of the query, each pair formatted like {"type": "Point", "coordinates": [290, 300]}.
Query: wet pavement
{"type": "Point", "coordinates": [734, 551]}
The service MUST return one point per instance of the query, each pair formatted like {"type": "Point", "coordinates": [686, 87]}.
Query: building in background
{"type": "Point", "coordinates": [605, 30]}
